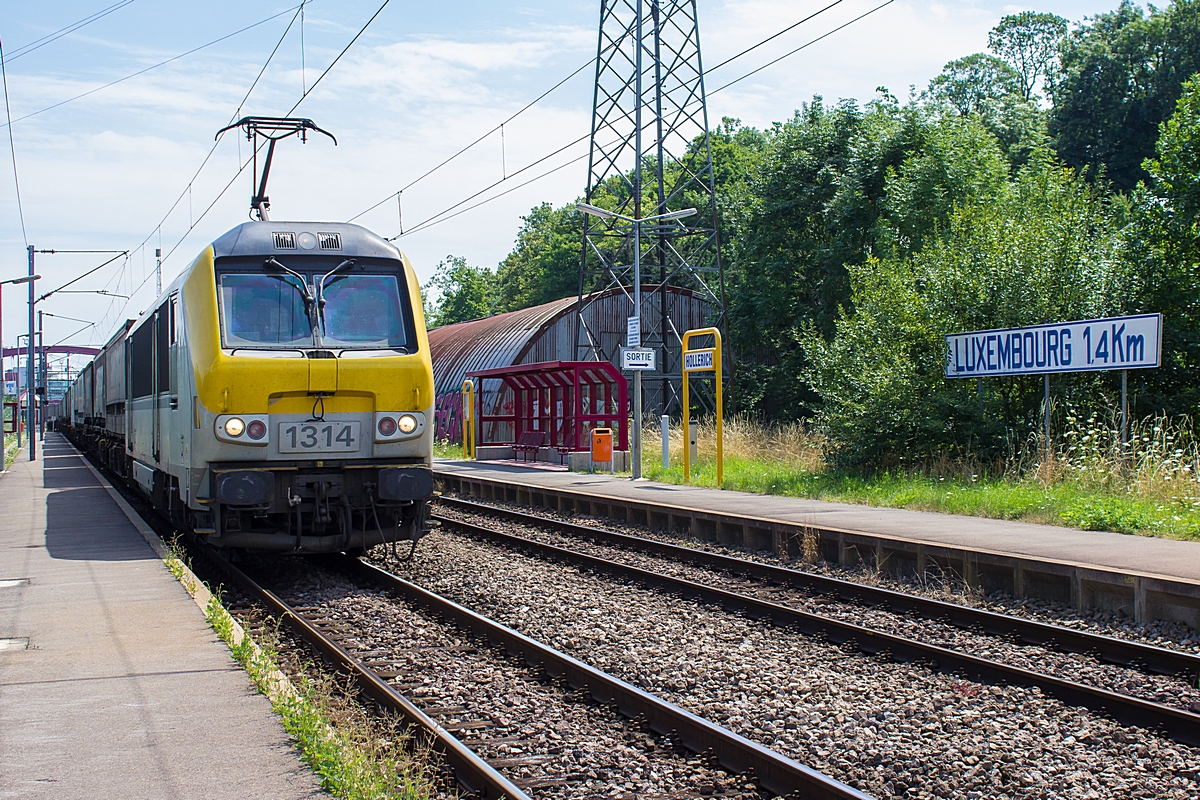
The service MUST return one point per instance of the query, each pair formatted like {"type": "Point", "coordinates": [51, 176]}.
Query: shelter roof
{"type": "Point", "coordinates": [544, 374]}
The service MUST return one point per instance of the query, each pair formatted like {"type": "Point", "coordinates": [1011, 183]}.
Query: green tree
{"type": "Point", "coordinates": [1043, 248]}
{"type": "Point", "coordinates": [976, 83]}
{"type": "Point", "coordinates": [787, 263]}
{"type": "Point", "coordinates": [1163, 253]}
{"type": "Point", "coordinates": [1120, 77]}
{"type": "Point", "coordinates": [959, 164]}
{"type": "Point", "coordinates": [544, 263]}
{"type": "Point", "coordinates": [991, 89]}
{"type": "Point", "coordinates": [1029, 42]}
{"type": "Point", "coordinates": [464, 292]}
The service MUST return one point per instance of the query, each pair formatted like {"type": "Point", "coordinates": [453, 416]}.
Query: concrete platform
{"type": "Point", "coordinates": [124, 690]}
{"type": "Point", "coordinates": [1144, 577]}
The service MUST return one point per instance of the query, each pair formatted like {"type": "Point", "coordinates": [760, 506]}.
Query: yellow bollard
{"type": "Point", "coordinates": [468, 422]}
{"type": "Point", "coordinates": [704, 359]}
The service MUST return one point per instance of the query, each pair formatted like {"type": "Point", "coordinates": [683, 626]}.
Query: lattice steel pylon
{"type": "Point", "coordinates": [650, 155]}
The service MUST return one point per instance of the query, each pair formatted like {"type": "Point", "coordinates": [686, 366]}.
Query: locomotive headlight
{"type": "Point", "coordinates": [243, 429]}
{"type": "Point", "coordinates": [392, 427]}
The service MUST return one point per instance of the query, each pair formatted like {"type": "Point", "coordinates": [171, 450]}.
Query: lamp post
{"type": "Point", "coordinates": [16, 421]}
{"type": "Point", "coordinates": [29, 365]}
{"type": "Point", "coordinates": [603, 213]}
{"type": "Point", "coordinates": [30, 389]}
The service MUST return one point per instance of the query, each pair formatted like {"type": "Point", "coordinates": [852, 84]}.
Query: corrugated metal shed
{"type": "Point", "coordinates": [543, 333]}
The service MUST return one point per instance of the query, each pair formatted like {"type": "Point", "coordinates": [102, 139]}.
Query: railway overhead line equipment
{"type": "Point", "coordinates": [1179, 724]}
{"type": "Point", "coordinates": [772, 772]}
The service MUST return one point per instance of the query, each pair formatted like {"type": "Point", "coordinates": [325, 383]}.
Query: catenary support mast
{"type": "Point", "coordinates": [650, 155]}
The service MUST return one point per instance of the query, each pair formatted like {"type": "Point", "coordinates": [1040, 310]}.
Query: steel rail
{"type": "Point", "coordinates": [1182, 726]}
{"type": "Point", "coordinates": [771, 771]}
{"type": "Point", "coordinates": [470, 770]}
{"type": "Point", "coordinates": [1106, 648]}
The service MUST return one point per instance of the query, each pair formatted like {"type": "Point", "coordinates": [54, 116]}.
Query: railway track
{"type": "Point", "coordinates": [719, 751]}
{"type": "Point", "coordinates": [1179, 723]}
{"type": "Point", "coordinates": [458, 723]}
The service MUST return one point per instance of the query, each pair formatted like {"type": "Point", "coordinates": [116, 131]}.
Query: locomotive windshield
{"type": "Point", "coordinates": [263, 310]}
{"type": "Point", "coordinates": [356, 311]}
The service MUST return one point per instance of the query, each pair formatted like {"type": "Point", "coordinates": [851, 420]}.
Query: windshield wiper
{"type": "Point", "coordinates": [310, 303]}
{"type": "Point", "coordinates": [349, 262]}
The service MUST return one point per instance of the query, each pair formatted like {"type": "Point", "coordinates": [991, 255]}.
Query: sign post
{"type": "Point", "coordinates": [702, 360]}
{"type": "Point", "coordinates": [1124, 343]}
{"type": "Point", "coordinates": [637, 359]}
{"type": "Point", "coordinates": [468, 422]}
{"type": "Point", "coordinates": [633, 325]}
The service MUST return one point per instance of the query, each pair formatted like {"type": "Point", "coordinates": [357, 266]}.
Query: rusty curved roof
{"type": "Point", "coordinates": [489, 342]}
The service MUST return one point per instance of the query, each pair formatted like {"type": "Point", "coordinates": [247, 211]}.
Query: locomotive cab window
{"type": "Point", "coordinates": [362, 308]}
{"type": "Point", "coordinates": [263, 310]}
{"type": "Point", "coordinates": [363, 311]}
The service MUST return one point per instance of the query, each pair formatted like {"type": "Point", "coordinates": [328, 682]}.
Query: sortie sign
{"type": "Point", "coordinates": [1114, 343]}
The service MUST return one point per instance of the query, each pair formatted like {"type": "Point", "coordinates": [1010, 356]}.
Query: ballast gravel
{"type": "Point", "coordinates": [1169, 690]}
{"type": "Point", "coordinates": [946, 587]}
{"type": "Point", "coordinates": [892, 730]}
{"type": "Point", "coordinates": [549, 739]}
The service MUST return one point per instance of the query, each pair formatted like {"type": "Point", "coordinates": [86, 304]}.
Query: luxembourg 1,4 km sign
{"type": "Point", "coordinates": [1114, 343]}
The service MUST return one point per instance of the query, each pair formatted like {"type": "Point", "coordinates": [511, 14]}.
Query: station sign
{"type": "Point", "coordinates": [637, 358]}
{"type": "Point", "coordinates": [698, 360]}
{"type": "Point", "coordinates": [633, 331]}
{"type": "Point", "coordinates": [1133, 342]}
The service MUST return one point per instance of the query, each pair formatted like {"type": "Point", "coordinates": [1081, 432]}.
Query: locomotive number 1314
{"type": "Point", "coordinates": [318, 437]}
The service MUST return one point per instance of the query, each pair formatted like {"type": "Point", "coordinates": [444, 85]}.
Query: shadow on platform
{"type": "Point", "coordinates": [84, 524]}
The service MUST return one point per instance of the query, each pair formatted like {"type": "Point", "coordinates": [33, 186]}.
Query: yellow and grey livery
{"type": "Point", "coordinates": [279, 394]}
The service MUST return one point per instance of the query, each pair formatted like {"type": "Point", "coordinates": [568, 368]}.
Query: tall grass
{"type": "Point", "coordinates": [1088, 479]}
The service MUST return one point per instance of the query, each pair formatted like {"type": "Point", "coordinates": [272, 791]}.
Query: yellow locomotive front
{"type": "Point", "coordinates": [303, 352]}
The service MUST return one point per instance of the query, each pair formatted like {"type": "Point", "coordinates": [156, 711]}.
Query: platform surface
{"type": "Point", "coordinates": [1150, 556]}
{"type": "Point", "coordinates": [124, 690]}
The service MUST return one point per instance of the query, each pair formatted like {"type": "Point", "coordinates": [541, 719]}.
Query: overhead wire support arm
{"type": "Point", "coordinates": [272, 129]}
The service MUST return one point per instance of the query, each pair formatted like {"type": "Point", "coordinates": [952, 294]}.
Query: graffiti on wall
{"type": "Point", "coordinates": [448, 416]}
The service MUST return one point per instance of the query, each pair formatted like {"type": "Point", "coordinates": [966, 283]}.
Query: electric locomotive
{"type": "Point", "coordinates": [278, 396]}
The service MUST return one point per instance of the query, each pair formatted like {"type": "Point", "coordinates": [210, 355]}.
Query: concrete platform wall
{"type": "Point", "coordinates": [1142, 597]}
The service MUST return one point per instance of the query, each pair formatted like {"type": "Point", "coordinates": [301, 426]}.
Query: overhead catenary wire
{"type": "Point", "coordinates": [290, 111]}
{"type": "Point", "coordinates": [333, 63]}
{"type": "Point", "coordinates": [76, 333]}
{"type": "Point", "coordinates": [37, 44]}
{"type": "Point", "coordinates": [12, 148]}
{"type": "Point", "coordinates": [84, 275]}
{"type": "Point", "coordinates": [64, 316]}
{"type": "Point", "coordinates": [248, 161]}
{"type": "Point", "coordinates": [437, 221]}
{"type": "Point", "coordinates": [772, 37]}
{"type": "Point", "coordinates": [529, 166]}
{"type": "Point", "coordinates": [148, 69]}
{"type": "Point", "coordinates": [803, 46]}
{"type": "Point", "coordinates": [483, 136]}
{"type": "Point", "coordinates": [542, 96]}
{"type": "Point", "coordinates": [187, 189]}
{"type": "Point", "coordinates": [441, 216]}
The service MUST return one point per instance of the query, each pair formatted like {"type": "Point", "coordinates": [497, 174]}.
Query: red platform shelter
{"type": "Point", "coordinates": [564, 399]}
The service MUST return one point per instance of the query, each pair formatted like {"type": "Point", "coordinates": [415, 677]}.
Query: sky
{"type": "Point", "coordinates": [121, 168]}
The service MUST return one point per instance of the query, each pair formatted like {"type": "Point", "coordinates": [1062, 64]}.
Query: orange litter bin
{"type": "Point", "coordinates": [602, 446]}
